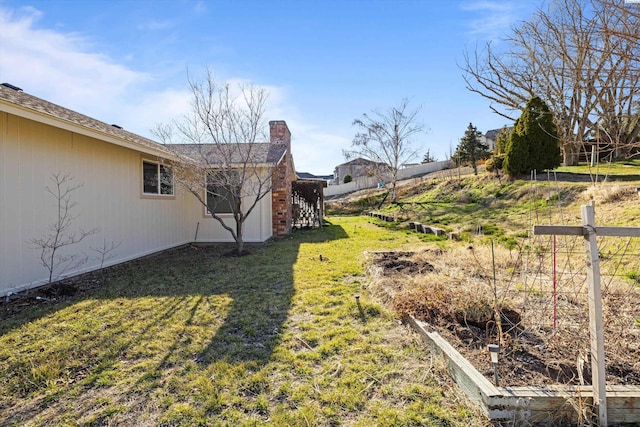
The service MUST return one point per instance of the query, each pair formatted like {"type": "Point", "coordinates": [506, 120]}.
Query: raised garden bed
{"type": "Point", "coordinates": [546, 375]}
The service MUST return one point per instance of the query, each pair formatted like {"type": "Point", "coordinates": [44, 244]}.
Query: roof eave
{"type": "Point", "coordinates": [47, 119]}
{"type": "Point", "coordinates": [239, 165]}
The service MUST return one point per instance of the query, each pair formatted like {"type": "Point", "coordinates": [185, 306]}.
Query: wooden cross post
{"type": "Point", "coordinates": [596, 329]}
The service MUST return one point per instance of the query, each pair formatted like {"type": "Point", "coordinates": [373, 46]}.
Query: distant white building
{"type": "Point", "coordinates": [358, 168]}
{"type": "Point", "coordinates": [491, 136]}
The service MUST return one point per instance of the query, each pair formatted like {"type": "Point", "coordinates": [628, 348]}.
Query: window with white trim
{"type": "Point", "coordinates": [157, 179]}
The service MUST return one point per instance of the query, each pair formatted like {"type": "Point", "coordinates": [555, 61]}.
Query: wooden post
{"type": "Point", "coordinates": [596, 331]}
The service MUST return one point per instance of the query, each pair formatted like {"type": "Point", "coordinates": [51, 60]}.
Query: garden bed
{"type": "Point", "coordinates": [452, 291]}
{"type": "Point", "coordinates": [544, 374]}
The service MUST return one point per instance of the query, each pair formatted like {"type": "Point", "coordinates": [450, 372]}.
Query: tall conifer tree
{"type": "Point", "coordinates": [471, 148]}
{"type": "Point", "coordinates": [533, 143]}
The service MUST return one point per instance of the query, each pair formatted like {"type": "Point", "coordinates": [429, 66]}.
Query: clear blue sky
{"type": "Point", "coordinates": [324, 63]}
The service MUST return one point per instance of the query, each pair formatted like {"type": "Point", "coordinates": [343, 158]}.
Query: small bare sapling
{"type": "Point", "coordinates": [60, 233]}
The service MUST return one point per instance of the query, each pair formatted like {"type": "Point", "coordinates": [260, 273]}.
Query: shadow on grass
{"type": "Point", "coordinates": [245, 300]}
{"type": "Point", "coordinates": [186, 306]}
{"type": "Point", "coordinates": [261, 287]}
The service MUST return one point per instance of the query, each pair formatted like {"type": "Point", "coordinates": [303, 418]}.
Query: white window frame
{"type": "Point", "coordinates": [159, 166]}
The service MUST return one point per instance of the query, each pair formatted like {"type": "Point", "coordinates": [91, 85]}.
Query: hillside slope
{"type": "Point", "coordinates": [502, 208]}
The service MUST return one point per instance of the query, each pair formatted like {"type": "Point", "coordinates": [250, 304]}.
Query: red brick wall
{"type": "Point", "coordinates": [281, 200]}
{"type": "Point", "coordinates": [279, 133]}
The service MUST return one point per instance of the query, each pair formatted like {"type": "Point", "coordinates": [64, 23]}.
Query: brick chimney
{"type": "Point", "coordinates": [279, 133]}
{"type": "Point", "coordinates": [281, 198]}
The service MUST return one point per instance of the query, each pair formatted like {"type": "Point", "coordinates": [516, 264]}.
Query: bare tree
{"type": "Point", "coordinates": [619, 83]}
{"type": "Point", "coordinates": [105, 253]}
{"type": "Point", "coordinates": [385, 138]}
{"type": "Point", "coordinates": [580, 57]}
{"type": "Point", "coordinates": [218, 158]}
{"type": "Point", "coordinates": [60, 234]}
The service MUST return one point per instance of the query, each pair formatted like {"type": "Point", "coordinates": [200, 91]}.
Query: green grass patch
{"type": "Point", "coordinates": [633, 276]}
{"type": "Point", "coordinates": [626, 170]}
{"type": "Point", "coordinates": [191, 337]}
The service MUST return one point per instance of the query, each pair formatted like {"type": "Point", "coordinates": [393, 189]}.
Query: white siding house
{"type": "Point", "coordinates": [39, 139]}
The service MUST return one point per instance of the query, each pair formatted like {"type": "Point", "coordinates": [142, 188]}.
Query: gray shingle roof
{"type": "Point", "coordinates": [45, 107]}
{"type": "Point", "coordinates": [212, 154]}
{"type": "Point", "coordinates": [493, 133]}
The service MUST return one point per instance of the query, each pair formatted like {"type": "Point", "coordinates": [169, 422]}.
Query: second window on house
{"type": "Point", "coordinates": [222, 192]}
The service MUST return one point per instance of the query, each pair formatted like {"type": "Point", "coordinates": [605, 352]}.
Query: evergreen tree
{"type": "Point", "coordinates": [533, 143]}
{"type": "Point", "coordinates": [501, 141]}
{"type": "Point", "coordinates": [516, 153]}
{"type": "Point", "coordinates": [471, 148]}
{"type": "Point", "coordinates": [428, 158]}
{"type": "Point", "coordinates": [495, 162]}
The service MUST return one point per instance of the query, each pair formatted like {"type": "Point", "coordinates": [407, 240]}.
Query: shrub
{"type": "Point", "coordinates": [495, 163]}
{"type": "Point", "coordinates": [347, 179]}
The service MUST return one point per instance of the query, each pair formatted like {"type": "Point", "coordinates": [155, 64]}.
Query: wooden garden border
{"type": "Point", "coordinates": [526, 405]}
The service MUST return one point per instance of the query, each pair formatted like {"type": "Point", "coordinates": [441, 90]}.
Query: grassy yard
{"type": "Point", "coordinates": [191, 337]}
{"type": "Point", "coordinates": [505, 210]}
{"type": "Point", "coordinates": [627, 170]}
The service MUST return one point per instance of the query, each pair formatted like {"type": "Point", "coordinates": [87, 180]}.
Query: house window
{"type": "Point", "coordinates": [157, 179]}
{"type": "Point", "coordinates": [222, 192]}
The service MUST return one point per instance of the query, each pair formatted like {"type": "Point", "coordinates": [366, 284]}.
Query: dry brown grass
{"type": "Point", "coordinates": [603, 193]}
{"type": "Point", "coordinates": [459, 280]}
{"type": "Point", "coordinates": [457, 297]}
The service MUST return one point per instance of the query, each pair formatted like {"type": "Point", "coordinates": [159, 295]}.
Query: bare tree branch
{"type": "Point", "coordinates": [582, 59]}
{"type": "Point", "coordinates": [219, 159]}
{"type": "Point", "coordinates": [60, 233]}
{"type": "Point", "coordinates": [385, 138]}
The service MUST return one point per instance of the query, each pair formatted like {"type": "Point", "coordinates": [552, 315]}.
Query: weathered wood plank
{"type": "Point", "coordinates": [618, 231]}
{"type": "Point", "coordinates": [472, 382]}
{"type": "Point", "coordinates": [559, 230]}
{"type": "Point", "coordinates": [596, 323]}
{"type": "Point", "coordinates": [556, 403]}
{"type": "Point", "coordinates": [578, 230]}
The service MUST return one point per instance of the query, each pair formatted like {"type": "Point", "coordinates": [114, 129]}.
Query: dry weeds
{"type": "Point", "coordinates": [456, 294]}
{"type": "Point", "coordinates": [608, 193]}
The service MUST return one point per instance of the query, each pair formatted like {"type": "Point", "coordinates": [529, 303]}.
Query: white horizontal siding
{"type": "Point", "coordinates": [257, 227]}
{"type": "Point", "coordinates": [108, 200]}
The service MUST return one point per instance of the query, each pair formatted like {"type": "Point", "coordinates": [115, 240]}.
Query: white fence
{"type": "Point", "coordinates": [372, 182]}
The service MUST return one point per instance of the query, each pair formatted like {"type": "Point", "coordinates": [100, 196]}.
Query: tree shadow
{"type": "Point", "coordinates": [207, 307]}
{"type": "Point", "coordinates": [260, 287]}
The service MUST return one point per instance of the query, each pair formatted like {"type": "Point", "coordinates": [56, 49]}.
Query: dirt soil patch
{"type": "Point", "coordinates": [398, 263]}
{"type": "Point", "coordinates": [446, 290]}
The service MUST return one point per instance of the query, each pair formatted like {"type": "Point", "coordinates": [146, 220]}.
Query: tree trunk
{"type": "Point", "coordinates": [570, 154]}
{"type": "Point", "coordinates": [239, 238]}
